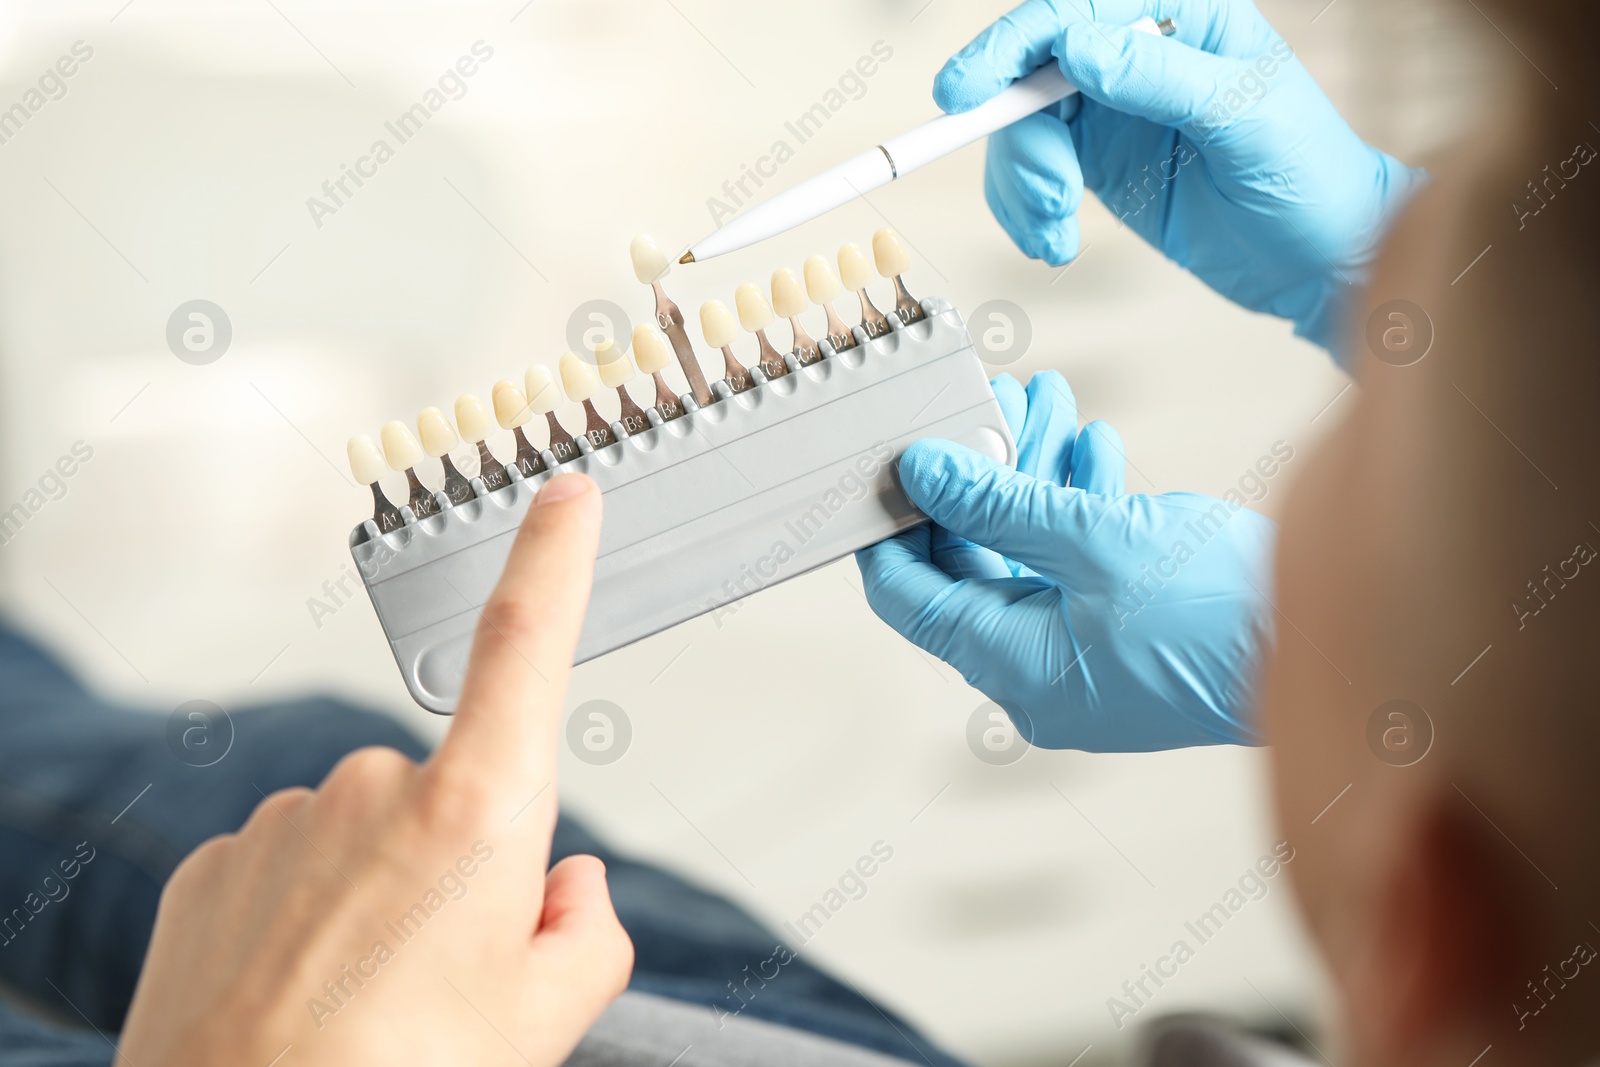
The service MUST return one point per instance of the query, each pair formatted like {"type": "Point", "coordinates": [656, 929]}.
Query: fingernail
{"type": "Point", "coordinates": [561, 487]}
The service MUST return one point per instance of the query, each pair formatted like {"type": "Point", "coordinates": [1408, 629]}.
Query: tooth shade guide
{"type": "Point", "coordinates": [892, 259]}
{"type": "Point", "coordinates": [649, 262]}
{"type": "Point", "coordinates": [839, 335]}
{"type": "Point", "coordinates": [929, 373]}
{"type": "Point", "coordinates": [384, 514]}
{"type": "Point", "coordinates": [456, 486]}
{"type": "Point", "coordinates": [510, 404]}
{"type": "Point", "coordinates": [651, 351]}
{"type": "Point", "coordinates": [822, 286]}
{"type": "Point", "coordinates": [755, 315]}
{"type": "Point", "coordinates": [561, 442]}
{"type": "Point", "coordinates": [805, 349]}
{"type": "Point", "coordinates": [528, 460]}
{"type": "Point", "coordinates": [367, 463]}
{"type": "Point", "coordinates": [474, 421]}
{"type": "Point", "coordinates": [402, 452]}
{"type": "Point", "coordinates": [889, 253]}
{"type": "Point", "coordinates": [667, 405]}
{"type": "Point", "coordinates": [632, 416]}
{"type": "Point", "coordinates": [906, 307]}
{"type": "Point", "coordinates": [421, 500]}
{"type": "Point", "coordinates": [491, 470]}
{"type": "Point", "coordinates": [872, 320]}
{"type": "Point", "coordinates": [670, 319]}
{"type": "Point", "coordinates": [770, 360]}
{"type": "Point", "coordinates": [597, 430]}
{"type": "Point", "coordinates": [789, 297]}
{"type": "Point", "coordinates": [855, 273]}
{"type": "Point", "coordinates": [476, 424]}
{"type": "Point", "coordinates": [737, 377]}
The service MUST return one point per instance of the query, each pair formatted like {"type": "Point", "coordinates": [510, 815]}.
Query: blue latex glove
{"type": "Point", "coordinates": [1215, 145]}
{"type": "Point", "coordinates": [1097, 619]}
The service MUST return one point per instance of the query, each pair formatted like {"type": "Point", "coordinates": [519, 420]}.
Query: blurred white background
{"type": "Point", "coordinates": [180, 561]}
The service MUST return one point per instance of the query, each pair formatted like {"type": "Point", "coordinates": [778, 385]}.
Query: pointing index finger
{"type": "Point", "coordinates": [507, 718]}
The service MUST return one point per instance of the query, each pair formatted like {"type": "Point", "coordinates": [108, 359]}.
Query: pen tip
{"type": "Point", "coordinates": [687, 257]}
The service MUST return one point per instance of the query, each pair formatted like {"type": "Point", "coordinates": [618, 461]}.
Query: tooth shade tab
{"type": "Point", "coordinates": [650, 349]}
{"type": "Point", "coordinates": [788, 295]}
{"type": "Point", "coordinates": [510, 404]}
{"type": "Point", "coordinates": [578, 379]}
{"type": "Point", "coordinates": [438, 436]}
{"type": "Point", "coordinates": [754, 311]}
{"type": "Point", "coordinates": [473, 419]}
{"type": "Point", "coordinates": [400, 449]}
{"type": "Point", "coordinates": [649, 262]}
{"type": "Point", "coordinates": [616, 369]}
{"type": "Point", "coordinates": [854, 270]}
{"type": "Point", "coordinates": [890, 253]}
{"type": "Point", "coordinates": [366, 462]}
{"type": "Point", "coordinates": [822, 285]}
{"type": "Point", "coordinates": [544, 396]}
{"type": "Point", "coordinates": [717, 324]}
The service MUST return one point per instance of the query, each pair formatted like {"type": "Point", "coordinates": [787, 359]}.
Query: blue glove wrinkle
{"type": "Point", "coordinates": [1042, 164]}
{"type": "Point", "coordinates": [1026, 237]}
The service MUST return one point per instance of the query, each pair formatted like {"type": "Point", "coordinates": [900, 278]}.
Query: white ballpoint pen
{"type": "Point", "coordinates": [895, 158]}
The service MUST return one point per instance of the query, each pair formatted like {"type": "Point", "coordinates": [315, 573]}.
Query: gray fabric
{"type": "Point", "coordinates": [1190, 1041]}
{"type": "Point", "coordinates": [640, 1030]}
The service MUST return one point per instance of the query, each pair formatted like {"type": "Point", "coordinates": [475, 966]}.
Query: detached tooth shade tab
{"type": "Point", "coordinates": [650, 266]}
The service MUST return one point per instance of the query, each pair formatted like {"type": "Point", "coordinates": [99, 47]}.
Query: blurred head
{"type": "Point", "coordinates": [1437, 552]}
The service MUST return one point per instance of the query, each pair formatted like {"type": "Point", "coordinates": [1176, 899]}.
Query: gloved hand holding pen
{"type": "Point", "coordinates": [1214, 145]}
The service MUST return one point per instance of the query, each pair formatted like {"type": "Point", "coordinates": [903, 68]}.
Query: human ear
{"type": "Point", "coordinates": [1442, 941]}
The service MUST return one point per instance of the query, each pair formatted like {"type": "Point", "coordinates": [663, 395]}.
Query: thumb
{"type": "Point", "coordinates": [580, 957]}
{"type": "Point", "coordinates": [1038, 524]}
{"type": "Point", "coordinates": [577, 899]}
{"type": "Point", "coordinates": [579, 931]}
{"type": "Point", "coordinates": [1140, 74]}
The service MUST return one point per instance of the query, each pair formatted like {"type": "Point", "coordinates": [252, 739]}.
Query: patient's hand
{"type": "Point", "coordinates": [403, 913]}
